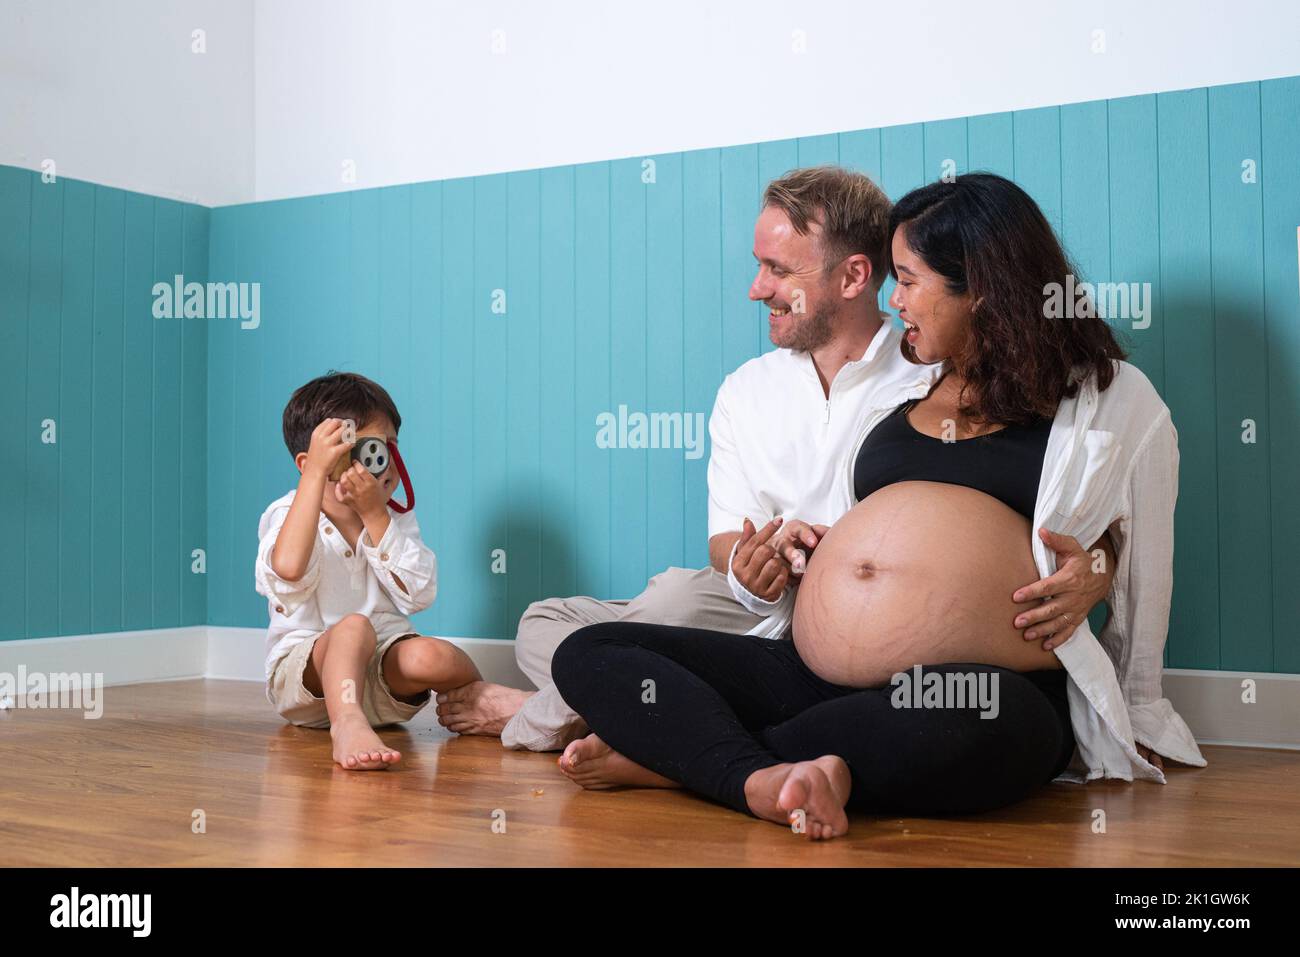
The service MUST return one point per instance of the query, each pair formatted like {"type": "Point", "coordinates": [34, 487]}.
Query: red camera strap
{"type": "Point", "coordinates": [406, 481]}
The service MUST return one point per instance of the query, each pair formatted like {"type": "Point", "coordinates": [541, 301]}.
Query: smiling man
{"type": "Point", "coordinates": [782, 428]}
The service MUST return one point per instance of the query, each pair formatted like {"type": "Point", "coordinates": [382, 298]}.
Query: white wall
{"type": "Point", "coordinates": [110, 91]}
{"type": "Point", "coordinates": [416, 93]}
{"type": "Point", "coordinates": [411, 90]}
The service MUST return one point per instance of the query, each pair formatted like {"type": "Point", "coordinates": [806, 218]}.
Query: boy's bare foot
{"type": "Point", "coordinates": [358, 748]}
{"type": "Point", "coordinates": [818, 788]}
{"type": "Point", "coordinates": [596, 766]}
{"type": "Point", "coordinates": [480, 707]}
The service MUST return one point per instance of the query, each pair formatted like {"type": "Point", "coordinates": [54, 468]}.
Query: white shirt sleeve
{"type": "Point", "coordinates": [288, 596]}
{"type": "Point", "coordinates": [1153, 491]}
{"type": "Point", "coordinates": [402, 552]}
{"type": "Point", "coordinates": [732, 498]}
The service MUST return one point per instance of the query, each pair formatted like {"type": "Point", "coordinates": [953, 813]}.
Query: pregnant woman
{"type": "Point", "coordinates": [907, 686]}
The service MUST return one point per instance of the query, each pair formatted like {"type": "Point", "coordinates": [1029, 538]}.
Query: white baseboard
{"type": "Point", "coordinates": [200, 651]}
{"type": "Point", "coordinates": [1209, 701]}
{"type": "Point", "coordinates": [123, 657]}
{"type": "Point", "coordinates": [1211, 704]}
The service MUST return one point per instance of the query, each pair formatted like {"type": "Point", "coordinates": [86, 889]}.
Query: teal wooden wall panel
{"type": "Point", "coordinates": [593, 521]}
{"type": "Point", "coordinates": [76, 424]}
{"type": "Point", "coordinates": [617, 291]}
{"type": "Point", "coordinates": [486, 495]}
{"type": "Point", "coordinates": [108, 430]}
{"type": "Point", "coordinates": [902, 169]}
{"type": "Point", "coordinates": [740, 184]}
{"type": "Point", "coordinates": [1037, 158]}
{"type": "Point", "coordinates": [860, 150]}
{"type": "Point", "coordinates": [197, 228]}
{"type": "Point", "coordinates": [522, 386]}
{"type": "Point", "coordinates": [665, 341]}
{"type": "Point", "coordinates": [15, 329]}
{"type": "Point", "coordinates": [627, 366]}
{"type": "Point", "coordinates": [44, 320]}
{"type": "Point", "coordinates": [1240, 339]}
{"type": "Point", "coordinates": [944, 142]}
{"type": "Point", "coordinates": [226, 576]}
{"type": "Point", "coordinates": [821, 150]}
{"type": "Point", "coordinates": [257, 402]}
{"type": "Point", "coordinates": [1279, 173]}
{"type": "Point", "coordinates": [1085, 190]}
{"type": "Point", "coordinates": [560, 353]}
{"type": "Point", "coordinates": [774, 159]}
{"type": "Point", "coordinates": [454, 529]}
{"type": "Point", "coordinates": [422, 416]}
{"type": "Point", "coordinates": [1190, 385]}
{"type": "Point", "coordinates": [702, 317]}
{"type": "Point", "coordinates": [137, 413]}
{"type": "Point", "coordinates": [990, 144]}
{"type": "Point", "coordinates": [394, 326]}
{"type": "Point", "coordinates": [1134, 195]}
{"type": "Point", "coordinates": [99, 508]}
{"type": "Point", "coordinates": [169, 561]}
{"type": "Point", "coordinates": [622, 291]}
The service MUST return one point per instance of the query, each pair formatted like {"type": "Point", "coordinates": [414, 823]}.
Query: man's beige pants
{"type": "Point", "coordinates": [697, 598]}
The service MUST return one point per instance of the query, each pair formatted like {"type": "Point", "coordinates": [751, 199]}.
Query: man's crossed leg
{"type": "Point", "coordinates": [540, 720]}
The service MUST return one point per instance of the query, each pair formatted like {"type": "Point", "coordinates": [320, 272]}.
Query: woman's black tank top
{"type": "Point", "coordinates": [1006, 464]}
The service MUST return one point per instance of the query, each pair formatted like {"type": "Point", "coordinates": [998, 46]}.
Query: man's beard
{"type": "Point", "coordinates": [811, 332]}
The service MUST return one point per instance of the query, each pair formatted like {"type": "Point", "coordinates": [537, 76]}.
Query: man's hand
{"type": "Point", "coordinates": [757, 565]}
{"type": "Point", "coordinates": [796, 542]}
{"type": "Point", "coordinates": [327, 444]}
{"type": "Point", "coordinates": [1080, 581]}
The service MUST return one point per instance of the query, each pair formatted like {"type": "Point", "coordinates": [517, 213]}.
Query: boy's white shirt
{"type": "Point", "coordinates": [337, 584]}
{"type": "Point", "coordinates": [1111, 457]}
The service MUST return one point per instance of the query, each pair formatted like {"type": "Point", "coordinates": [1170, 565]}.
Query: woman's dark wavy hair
{"type": "Point", "coordinates": [985, 235]}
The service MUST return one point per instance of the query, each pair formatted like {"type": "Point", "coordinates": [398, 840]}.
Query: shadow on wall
{"type": "Point", "coordinates": [531, 550]}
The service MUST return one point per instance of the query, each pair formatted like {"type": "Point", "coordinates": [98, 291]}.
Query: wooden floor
{"type": "Point", "coordinates": [123, 789]}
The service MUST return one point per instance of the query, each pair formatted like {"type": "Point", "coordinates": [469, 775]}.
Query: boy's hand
{"type": "Point", "coordinates": [361, 491]}
{"type": "Point", "coordinates": [327, 444]}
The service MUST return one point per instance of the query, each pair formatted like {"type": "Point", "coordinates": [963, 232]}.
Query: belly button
{"type": "Point", "coordinates": [865, 570]}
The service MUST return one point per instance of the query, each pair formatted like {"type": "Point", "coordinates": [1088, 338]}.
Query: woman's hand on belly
{"type": "Point", "coordinates": [1081, 580]}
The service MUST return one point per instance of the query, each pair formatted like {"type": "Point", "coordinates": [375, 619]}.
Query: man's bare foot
{"type": "Point", "coordinates": [819, 789]}
{"type": "Point", "coordinates": [480, 707]}
{"type": "Point", "coordinates": [358, 748]}
{"type": "Point", "coordinates": [596, 766]}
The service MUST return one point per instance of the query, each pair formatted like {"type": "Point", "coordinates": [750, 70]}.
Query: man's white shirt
{"type": "Point", "coordinates": [775, 403]}
{"type": "Point", "coordinates": [780, 444]}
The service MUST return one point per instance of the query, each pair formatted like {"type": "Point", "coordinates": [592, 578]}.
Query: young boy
{"type": "Point", "coordinates": [341, 571]}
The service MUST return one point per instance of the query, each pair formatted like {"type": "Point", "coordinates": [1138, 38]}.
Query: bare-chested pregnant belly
{"type": "Point", "coordinates": [917, 573]}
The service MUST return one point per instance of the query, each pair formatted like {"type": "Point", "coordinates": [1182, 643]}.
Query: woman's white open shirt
{"type": "Point", "coordinates": [1111, 459]}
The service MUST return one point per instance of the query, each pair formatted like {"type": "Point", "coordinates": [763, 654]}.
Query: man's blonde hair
{"type": "Point", "coordinates": [852, 210]}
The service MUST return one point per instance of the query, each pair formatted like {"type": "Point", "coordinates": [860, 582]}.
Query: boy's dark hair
{"type": "Point", "coordinates": [335, 395]}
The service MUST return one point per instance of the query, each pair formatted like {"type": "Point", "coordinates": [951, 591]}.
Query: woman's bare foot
{"type": "Point", "coordinates": [596, 766]}
{"type": "Point", "coordinates": [480, 707]}
{"type": "Point", "coordinates": [818, 789]}
{"type": "Point", "coordinates": [357, 747]}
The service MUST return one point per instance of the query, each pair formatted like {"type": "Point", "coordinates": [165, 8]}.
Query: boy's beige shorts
{"type": "Point", "coordinates": [299, 706]}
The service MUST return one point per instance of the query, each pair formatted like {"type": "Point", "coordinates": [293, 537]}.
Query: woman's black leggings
{"type": "Point", "coordinates": [707, 709]}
